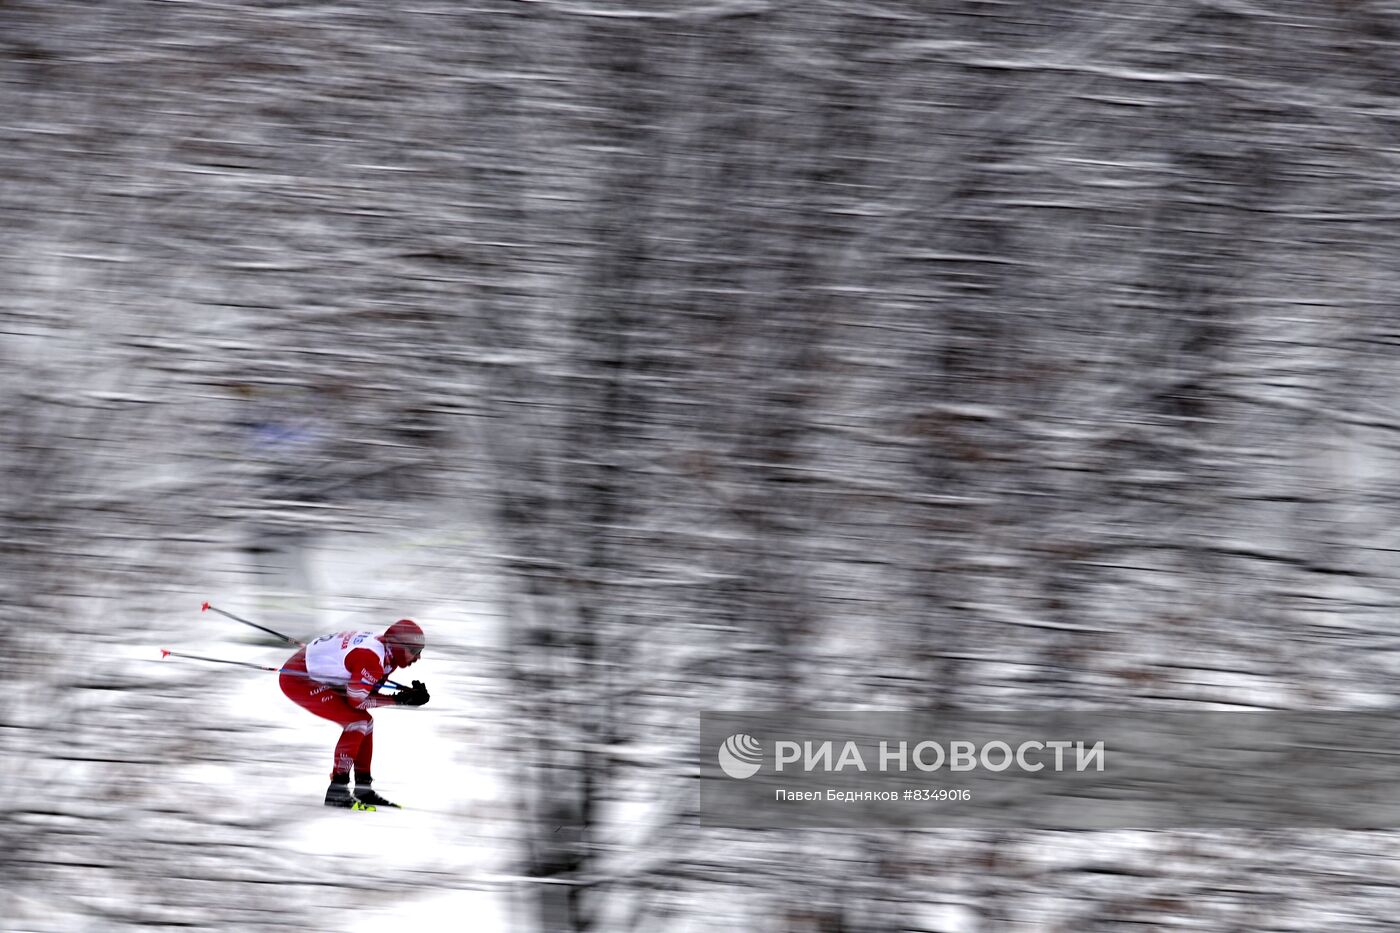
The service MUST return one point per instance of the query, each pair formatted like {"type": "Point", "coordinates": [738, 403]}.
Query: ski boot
{"type": "Point", "coordinates": [338, 795]}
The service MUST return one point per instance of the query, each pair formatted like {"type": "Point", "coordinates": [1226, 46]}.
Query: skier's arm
{"type": "Point", "coordinates": [366, 673]}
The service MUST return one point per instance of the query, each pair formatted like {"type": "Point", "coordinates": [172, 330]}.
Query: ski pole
{"type": "Point", "coordinates": [167, 653]}
{"type": "Point", "coordinates": [261, 628]}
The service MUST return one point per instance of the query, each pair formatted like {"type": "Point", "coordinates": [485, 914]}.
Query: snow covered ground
{"type": "Point", "coordinates": [442, 863]}
{"type": "Point", "coordinates": [441, 762]}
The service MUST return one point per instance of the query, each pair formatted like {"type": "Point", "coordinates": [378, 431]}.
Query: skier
{"type": "Point", "coordinates": [338, 677]}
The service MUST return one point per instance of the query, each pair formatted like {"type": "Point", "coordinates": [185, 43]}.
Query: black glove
{"type": "Point", "coordinates": [415, 695]}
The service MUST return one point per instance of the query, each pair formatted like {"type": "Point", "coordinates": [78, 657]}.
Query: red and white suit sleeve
{"type": "Point", "coordinates": [366, 672]}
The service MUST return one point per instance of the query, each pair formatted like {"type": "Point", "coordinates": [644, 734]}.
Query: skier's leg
{"type": "Point", "coordinates": [311, 695]}
{"type": "Point", "coordinates": [364, 781]}
{"type": "Point", "coordinates": [356, 725]}
{"type": "Point", "coordinates": [322, 699]}
{"type": "Point", "coordinates": [364, 757]}
{"type": "Point", "coordinates": [353, 739]}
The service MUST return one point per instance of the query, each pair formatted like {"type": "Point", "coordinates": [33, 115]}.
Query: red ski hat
{"type": "Point", "coordinates": [405, 642]}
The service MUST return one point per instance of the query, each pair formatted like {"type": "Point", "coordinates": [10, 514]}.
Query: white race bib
{"type": "Point", "coordinates": [325, 657]}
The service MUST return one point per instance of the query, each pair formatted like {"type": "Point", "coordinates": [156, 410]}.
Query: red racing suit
{"type": "Point", "coordinates": [337, 677]}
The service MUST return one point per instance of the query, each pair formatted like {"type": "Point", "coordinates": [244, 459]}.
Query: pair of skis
{"type": "Point", "coordinates": [367, 807]}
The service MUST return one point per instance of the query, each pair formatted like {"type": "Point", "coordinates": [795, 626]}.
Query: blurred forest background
{"type": "Point", "coordinates": [666, 356]}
